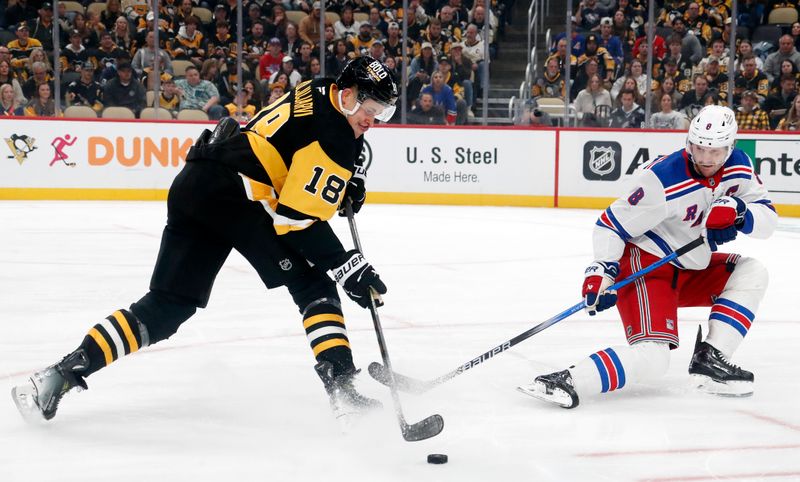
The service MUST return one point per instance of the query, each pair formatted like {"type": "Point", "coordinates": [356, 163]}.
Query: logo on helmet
{"type": "Point", "coordinates": [376, 71]}
{"type": "Point", "coordinates": [708, 126]}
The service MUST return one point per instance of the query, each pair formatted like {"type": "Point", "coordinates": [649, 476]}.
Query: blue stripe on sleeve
{"type": "Point", "coordinates": [618, 364]}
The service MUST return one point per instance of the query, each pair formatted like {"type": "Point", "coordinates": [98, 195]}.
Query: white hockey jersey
{"type": "Point", "coordinates": [667, 207]}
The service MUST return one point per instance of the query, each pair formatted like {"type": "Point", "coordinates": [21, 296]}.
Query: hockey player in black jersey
{"type": "Point", "coordinates": [266, 190]}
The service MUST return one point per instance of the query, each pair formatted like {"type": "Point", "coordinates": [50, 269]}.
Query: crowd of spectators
{"type": "Point", "coordinates": [107, 54]}
{"type": "Point", "coordinates": [607, 55]}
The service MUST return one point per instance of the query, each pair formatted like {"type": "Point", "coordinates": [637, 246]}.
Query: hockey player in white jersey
{"type": "Point", "coordinates": [708, 187]}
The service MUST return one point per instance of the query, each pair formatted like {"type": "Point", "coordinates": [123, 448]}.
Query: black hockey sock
{"type": "Point", "coordinates": [324, 325]}
{"type": "Point", "coordinates": [118, 335]}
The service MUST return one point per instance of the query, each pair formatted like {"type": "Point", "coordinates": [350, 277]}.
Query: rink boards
{"type": "Point", "coordinates": [580, 168]}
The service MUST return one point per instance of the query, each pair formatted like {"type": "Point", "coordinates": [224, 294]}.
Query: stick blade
{"type": "Point", "coordinates": [403, 383]}
{"type": "Point", "coordinates": [424, 429]}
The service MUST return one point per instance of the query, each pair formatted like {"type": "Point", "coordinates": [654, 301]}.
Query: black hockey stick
{"type": "Point", "coordinates": [384, 374]}
{"type": "Point", "coordinates": [424, 429]}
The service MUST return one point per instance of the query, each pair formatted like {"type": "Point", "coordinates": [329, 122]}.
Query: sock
{"type": "Point", "coordinates": [118, 335]}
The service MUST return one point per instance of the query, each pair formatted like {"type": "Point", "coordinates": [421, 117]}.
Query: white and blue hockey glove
{"type": "Point", "coordinates": [358, 277]}
{"type": "Point", "coordinates": [598, 277]}
{"type": "Point", "coordinates": [724, 220]}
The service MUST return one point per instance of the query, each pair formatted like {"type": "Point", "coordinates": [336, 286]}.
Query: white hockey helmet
{"type": "Point", "coordinates": [713, 126]}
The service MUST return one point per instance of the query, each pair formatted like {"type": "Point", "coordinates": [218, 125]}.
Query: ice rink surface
{"type": "Point", "coordinates": [233, 396]}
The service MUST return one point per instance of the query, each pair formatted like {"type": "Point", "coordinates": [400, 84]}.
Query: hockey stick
{"type": "Point", "coordinates": [424, 429]}
{"type": "Point", "coordinates": [385, 375]}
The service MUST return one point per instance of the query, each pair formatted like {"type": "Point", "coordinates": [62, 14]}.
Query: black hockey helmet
{"type": "Point", "coordinates": [373, 80]}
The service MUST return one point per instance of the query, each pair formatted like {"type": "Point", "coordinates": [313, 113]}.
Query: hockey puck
{"type": "Point", "coordinates": [437, 458]}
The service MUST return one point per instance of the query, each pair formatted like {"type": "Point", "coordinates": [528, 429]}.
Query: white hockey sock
{"type": "Point", "coordinates": [617, 367]}
{"type": "Point", "coordinates": [733, 312]}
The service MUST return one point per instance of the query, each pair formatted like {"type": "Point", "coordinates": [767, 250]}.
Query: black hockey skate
{"type": "Point", "coordinates": [39, 398]}
{"type": "Point", "coordinates": [555, 388]}
{"type": "Point", "coordinates": [344, 398]}
{"type": "Point", "coordinates": [715, 374]}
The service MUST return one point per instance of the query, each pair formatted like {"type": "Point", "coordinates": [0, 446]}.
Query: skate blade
{"type": "Point", "coordinates": [557, 396]}
{"type": "Point", "coordinates": [24, 397]}
{"type": "Point", "coordinates": [706, 384]}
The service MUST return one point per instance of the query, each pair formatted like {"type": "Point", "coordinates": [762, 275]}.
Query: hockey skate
{"type": "Point", "coordinates": [555, 388]}
{"type": "Point", "coordinates": [346, 402]}
{"type": "Point", "coordinates": [716, 375]}
{"type": "Point", "coordinates": [39, 398]}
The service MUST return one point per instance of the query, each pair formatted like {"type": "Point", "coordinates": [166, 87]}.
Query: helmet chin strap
{"type": "Point", "coordinates": [347, 112]}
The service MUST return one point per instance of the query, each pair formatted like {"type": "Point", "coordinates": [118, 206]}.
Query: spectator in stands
{"type": "Point", "coordinates": [622, 29]}
{"type": "Point", "coordinates": [605, 62]}
{"type": "Point", "coordinates": [791, 122]}
{"type": "Point", "coordinates": [393, 45]}
{"type": "Point", "coordinates": [551, 83]}
{"type": "Point", "coordinates": [270, 62]}
{"type": "Point", "coordinates": [90, 37]}
{"type": "Point", "coordinates": [446, 69]}
{"type": "Point", "coordinates": [450, 26]}
{"type": "Point", "coordinates": [360, 44]}
{"type": "Point", "coordinates": [719, 52]}
{"type": "Point", "coordinates": [5, 54]}
{"type": "Point", "coordinates": [291, 40]}
{"type": "Point", "coordinates": [473, 47]}
{"type": "Point", "coordinates": [670, 71]}
{"type": "Point", "coordinates": [39, 76]}
{"type": "Point", "coordinates": [20, 11]}
{"type": "Point", "coordinates": [42, 104]}
{"type": "Point", "coordinates": [377, 51]}
{"type": "Point", "coordinates": [197, 93]}
{"type": "Point", "coordinates": [787, 68]}
{"type": "Point", "coordinates": [578, 40]}
{"type": "Point", "coordinates": [376, 22]}
{"type": "Point", "coordinates": [120, 35]}
{"type": "Point", "coordinates": [750, 14]}
{"type": "Point", "coordinates": [594, 95]}
{"type": "Point", "coordinates": [682, 63]}
{"type": "Point", "coordinates": [124, 91]}
{"type": "Point", "coordinates": [22, 46]}
{"type": "Point", "coordinates": [42, 27]}
{"type": "Point", "coordinates": [749, 116]}
{"type": "Point", "coordinates": [717, 81]}
{"type": "Point", "coordinates": [190, 43]}
{"type": "Point", "coordinates": [611, 42]}
{"type": "Point", "coordinates": [279, 19]}
{"type": "Point", "coordinates": [308, 29]}
{"type": "Point", "coordinates": [778, 104]}
{"type": "Point", "coordinates": [581, 77]}
{"type": "Point", "coordinates": [422, 67]}
{"type": "Point", "coordinates": [637, 74]}
{"type": "Point", "coordinates": [463, 70]}
{"type": "Point", "coordinates": [667, 118]}
{"type": "Point", "coordinates": [750, 79]}
{"type": "Point", "coordinates": [337, 59]}
{"type": "Point", "coordinates": [561, 56]}
{"type": "Point", "coordinates": [254, 15]}
{"type": "Point", "coordinates": [346, 26]}
{"type": "Point", "coordinates": [434, 36]}
{"type": "Point", "coordinates": [85, 90]}
{"type": "Point", "coordinates": [287, 67]}
{"type": "Point", "coordinates": [303, 59]}
{"type": "Point", "coordinates": [144, 59]}
{"type": "Point", "coordinates": [7, 76]}
{"type": "Point", "coordinates": [113, 10]}
{"type": "Point", "coordinates": [691, 46]}
{"type": "Point", "coordinates": [276, 91]}
{"type": "Point", "coordinates": [659, 48]}
{"type": "Point", "coordinates": [796, 34]}
{"type": "Point", "coordinates": [73, 54]}
{"type": "Point", "coordinates": [697, 23]}
{"type": "Point", "coordinates": [169, 98]}
{"type": "Point", "coordinates": [425, 112]}
{"type": "Point", "coordinates": [588, 15]}
{"type": "Point", "coordinates": [256, 93]}
{"type": "Point", "coordinates": [8, 102]}
{"type": "Point", "coordinates": [666, 86]}
{"type": "Point", "coordinates": [628, 115]}
{"type": "Point", "coordinates": [695, 96]}
{"type": "Point", "coordinates": [443, 96]}
{"type": "Point", "coordinates": [745, 49]}
{"type": "Point", "coordinates": [240, 108]}
{"type": "Point", "coordinates": [478, 19]}
{"type": "Point", "coordinates": [786, 51]}
{"type": "Point", "coordinates": [532, 116]}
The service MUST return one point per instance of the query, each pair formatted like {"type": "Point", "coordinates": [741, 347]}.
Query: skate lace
{"type": "Point", "coordinates": [727, 362]}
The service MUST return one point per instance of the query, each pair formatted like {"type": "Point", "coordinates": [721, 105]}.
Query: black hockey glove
{"type": "Point", "coordinates": [357, 277]}
{"type": "Point", "coordinates": [356, 191]}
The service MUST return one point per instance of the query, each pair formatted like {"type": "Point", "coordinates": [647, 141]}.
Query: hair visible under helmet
{"type": "Point", "coordinates": [713, 126]}
{"type": "Point", "coordinates": [373, 81]}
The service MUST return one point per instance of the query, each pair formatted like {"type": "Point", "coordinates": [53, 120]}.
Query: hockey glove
{"type": "Point", "coordinates": [724, 220]}
{"type": "Point", "coordinates": [358, 277]}
{"type": "Point", "coordinates": [598, 277]}
{"type": "Point", "coordinates": [356, 191]}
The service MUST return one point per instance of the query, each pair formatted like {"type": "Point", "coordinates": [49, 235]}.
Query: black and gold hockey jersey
{"type": "Point", "coordinates": [296, 157]}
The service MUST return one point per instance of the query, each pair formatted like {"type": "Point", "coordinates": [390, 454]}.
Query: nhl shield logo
{"type": "Point", "coordinates": [602, 161]}
{"type": "Point", "coordinates": [285, 264]}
